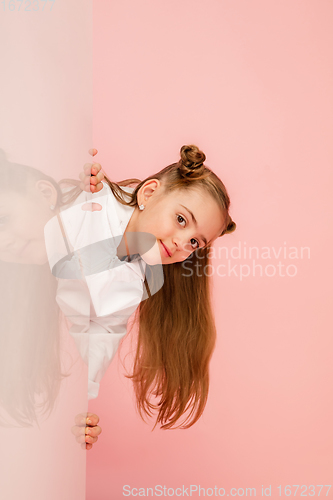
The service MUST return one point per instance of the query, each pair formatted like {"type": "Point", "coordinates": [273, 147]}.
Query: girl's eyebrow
{"type": "Point", "coordinates": [195, 223]}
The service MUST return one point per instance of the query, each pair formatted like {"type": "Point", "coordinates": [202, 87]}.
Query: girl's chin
{"type": "Point", "coordinates": [153, 256]}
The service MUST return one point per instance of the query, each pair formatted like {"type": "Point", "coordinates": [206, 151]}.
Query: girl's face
{"type": "Point", "coordinates": [181, 221]}
{"type": "Point", "coordinates": [22, 221]}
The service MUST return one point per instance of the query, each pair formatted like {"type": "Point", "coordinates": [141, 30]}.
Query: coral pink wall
{"type": "Point", "coordinates": [251, 84]}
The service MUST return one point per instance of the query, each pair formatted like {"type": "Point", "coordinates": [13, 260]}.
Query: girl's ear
{"type": "Point", "coordinates": [148, 189]}
{"type": "Point", "coordinates": [47, 192]}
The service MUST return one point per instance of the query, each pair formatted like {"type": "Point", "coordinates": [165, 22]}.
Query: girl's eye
{"type": "Point", "coordinates": [198, 244]}
{"type": "Point", "coordinates": [180, 217]}
{"type": "Point", "coordinates": [193, 239]}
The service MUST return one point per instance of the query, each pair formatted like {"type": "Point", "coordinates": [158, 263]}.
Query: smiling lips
{"type": "Point", "coordinates": [166, 249]}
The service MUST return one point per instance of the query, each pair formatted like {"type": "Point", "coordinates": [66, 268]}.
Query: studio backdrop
{"type": "Point", "coordinates": [250, 84]}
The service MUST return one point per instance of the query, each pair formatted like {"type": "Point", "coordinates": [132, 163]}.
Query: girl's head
{"type": "Point", "coordinates": [185, 207]}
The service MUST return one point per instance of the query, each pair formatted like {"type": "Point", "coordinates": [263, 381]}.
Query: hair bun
{"type": "Point", "coordinates": [231, 227]}
{"type": "Point", "coordinates": [191, 161]}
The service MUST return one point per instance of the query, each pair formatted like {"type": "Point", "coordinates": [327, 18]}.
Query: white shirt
{"type": "Point", "coordinates": [96, 291]}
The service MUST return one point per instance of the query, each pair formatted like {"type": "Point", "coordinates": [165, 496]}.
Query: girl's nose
{"type": "Point", "coordinates": [182, 245]}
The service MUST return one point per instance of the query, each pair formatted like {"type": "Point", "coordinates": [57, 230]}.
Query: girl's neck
{"type": "Point", "coordinates": [131, 225]}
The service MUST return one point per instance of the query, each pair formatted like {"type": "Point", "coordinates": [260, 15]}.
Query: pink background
{"type": "Point", "coordinates": [251, 84]}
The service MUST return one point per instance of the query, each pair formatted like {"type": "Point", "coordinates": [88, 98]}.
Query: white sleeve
{"type": "Point", "coordinates": [97, 331]}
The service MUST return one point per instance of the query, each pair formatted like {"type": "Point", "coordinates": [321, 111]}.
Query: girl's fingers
{"type": "Point", "coordinates": [84, 419]}
{"type": "Point", "coordinates": [92, 168]}
{"type": "Point", "coordinates": [96, 167]}
{"type": "Point", "coordinates": [93, 431]}
{"type": "Point", "coordinates": [91, 439]}
{"type": "Point", "coordinates": [91, 177]}
{"type": "Point", "coordinates": [97, 178]}
{"type": "Point", "coordinates": [82, 432]}
{"type": "Point", "coordinates": [86, 430]}
{"type": "Point", "coordinates": [95, 189]}
{"type": "Point", "coordinates": [86, 439]}
{"type": "Point", "coordinates": [92, 419]}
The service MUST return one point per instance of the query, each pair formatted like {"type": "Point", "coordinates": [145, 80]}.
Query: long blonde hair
{"type": "Point", "coordinates": [177, 334]}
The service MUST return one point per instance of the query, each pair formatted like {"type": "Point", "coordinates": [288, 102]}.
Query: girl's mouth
{"type": "Point", "coordinates": [165, 249]}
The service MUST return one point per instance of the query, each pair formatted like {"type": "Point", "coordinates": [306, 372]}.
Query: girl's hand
{"type": "Point", "coordinates": [86, 430]}
{"type": "Point", "coordinates": [92, 175]}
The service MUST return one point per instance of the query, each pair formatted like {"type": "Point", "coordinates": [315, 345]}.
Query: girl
{"type": "Point", "coordinates": [185, 206]}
